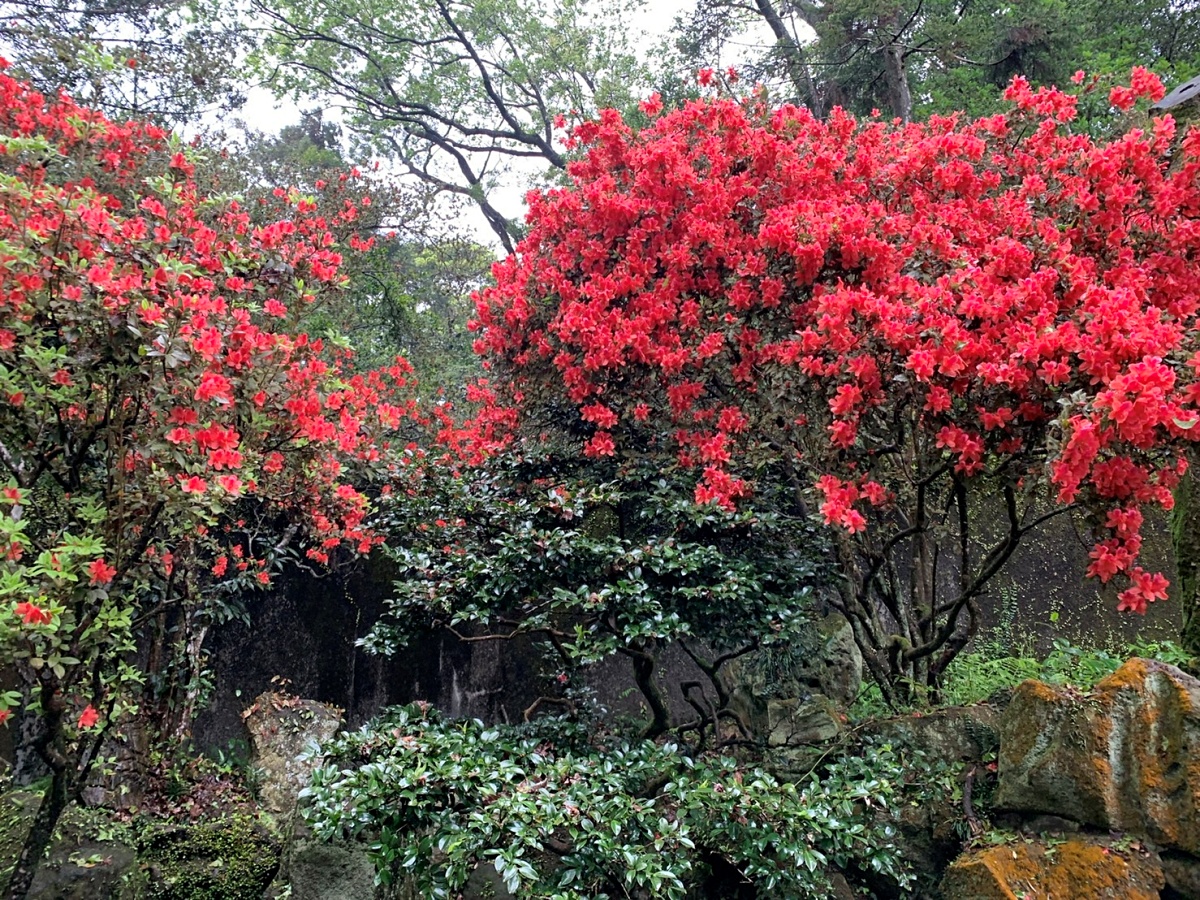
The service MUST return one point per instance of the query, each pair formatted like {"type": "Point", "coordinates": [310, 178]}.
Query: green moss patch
{"type": "Point", "coordinates": [234, 858]}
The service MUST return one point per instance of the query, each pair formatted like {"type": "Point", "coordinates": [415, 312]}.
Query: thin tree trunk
{"type": "Point", "coordinates": [50, 747]}
{"type": "Point", "coordinates": [1185, 536]}
{"type": "Point", "coordinates": [897, 80]}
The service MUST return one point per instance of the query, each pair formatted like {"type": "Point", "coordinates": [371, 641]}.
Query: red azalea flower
{"type": "Point", "coordinates": [101, 572]}
{"type": "Point", "coordinates": [33, 615]}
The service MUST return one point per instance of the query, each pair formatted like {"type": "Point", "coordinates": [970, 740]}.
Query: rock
{"type": "Point", "coordinates": [952, 734]}
{"type": "Point", "coordinates": [795, 722]}
{"type": "Point", "coordinates": [1124, 757]}
{"type": "Point", "coordinates": [17, 810]}
{"type": "Point", "coordinates": [284, 732]}
{"type": "Point", "coordinates": [234, 858]}
{"type": "Point", "coordinates": [330, 871]}
{"type": "Point", "coordinates": [1183, 875]}
{"type": "Point", "coordinates": [91, 870]}
{"type": "Point", "coordinates": [827, 662]}
{"type": "Point", "coordinates": [79, 866]}
{"type": "Point", "coordinates": [1076, 868]}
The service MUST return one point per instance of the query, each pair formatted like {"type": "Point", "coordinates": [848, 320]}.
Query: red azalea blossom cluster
{"type": "Point", "coordinates": [160, 328]}
{"type": "Point", "coordinates": [875, 303]}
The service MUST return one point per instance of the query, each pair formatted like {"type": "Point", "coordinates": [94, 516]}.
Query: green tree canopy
{"type": "Point", "coordinates": [455, 92]}
{"type": "Point", "coordinates": [916, 57]}
{"type": "Point", "coordinates": [163, 60]}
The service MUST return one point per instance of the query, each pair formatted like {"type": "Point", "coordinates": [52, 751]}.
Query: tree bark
{"type": "Point", "coordinates": [1185, 537]}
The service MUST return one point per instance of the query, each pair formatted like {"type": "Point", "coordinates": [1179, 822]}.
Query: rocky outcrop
{"type": "Point", "coordinates": [954, 734]}
{"type": "Point", "coordinates": [1123, 757]}
{"type": "Point", "coordinates": [791, 697]}
{"type": "Point", "coordinates": [284, 734]}
{"type": "Point", "coordinates": [1075, 868]}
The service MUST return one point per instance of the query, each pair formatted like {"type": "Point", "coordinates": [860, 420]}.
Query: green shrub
{"type": "Point", "coordinates": [562, 818]}
{"type": "Point", "coordinates": [974, 677]}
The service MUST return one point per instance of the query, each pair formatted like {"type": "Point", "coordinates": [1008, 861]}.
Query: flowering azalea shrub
{"type": "Point", "coordinates": [167, 430]}
{"type": "Point", "coordinates": [559, 817]}
{"type": "Point", "coordinates": [944, 332]}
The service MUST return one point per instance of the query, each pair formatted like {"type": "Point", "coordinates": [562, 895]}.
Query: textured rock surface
{"type": "Point", "coordinates": [955, 733]}
{"type": "Point", "coordinates": [79, 867]}
{"type": "Point", "coordinates": [1074, 869]}
{"type": "Point", "coordinates": [283, 732]}
{"type": "Point", "coordinates": [321, 871]}
{"type": "Point", "coordinates": [1125, 756]}
{"type": "Point", "coordinates": [814, 720]}
{"type": "Point", "coordinates": [827, 662]}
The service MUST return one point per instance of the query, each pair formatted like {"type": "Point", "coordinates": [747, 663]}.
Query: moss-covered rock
{"type": "Point", "coordinates": [17, 810]}
{"type": "Point", "coordinates": [234, 858]}
{"type": "Point", "coordinates": [1075, 868]}
{"type": "Point", "coordinates": [1125, 756]}
{"type": "Point", "coordinates": [88, 859]}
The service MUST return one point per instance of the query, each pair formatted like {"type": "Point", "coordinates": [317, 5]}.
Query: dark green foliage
{"type": "Point", "coordinates": [231, 858]}
{"type": "Point", "coordinates": [562, 818]}
{"type": "Point", "coordinates": [611, 560]}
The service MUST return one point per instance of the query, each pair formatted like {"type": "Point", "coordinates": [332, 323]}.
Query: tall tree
{"type": "Point", "coordinates": [455, 92]}
{"type": "Point", "coordinates": [162, 60]}
{"type": "Point", "coordinates": [910, 58]}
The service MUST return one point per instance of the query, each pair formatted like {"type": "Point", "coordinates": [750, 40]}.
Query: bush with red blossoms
{"type": "Point", "coordinates": [932, 327]}
{"type": "Point", "coordinates": [168, 432]}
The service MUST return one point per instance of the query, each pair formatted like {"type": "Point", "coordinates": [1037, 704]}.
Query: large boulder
{"type": "Point", "coordinates": [1074, 868]}
{"type": "Point", "coordinates": [1124, 756]}
{"type": "Point", "coordinates": [826, 661]}
{"type": "Point", "coordinates": [284, 734]}
{"type": "Point", "coordinates": [80, 864]}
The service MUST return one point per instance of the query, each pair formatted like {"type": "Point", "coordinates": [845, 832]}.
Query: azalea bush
{"type": "Point", "coordinates": [596, 561]}
{"type": "Point", "coordinates": [942, 334]}
{"type": "Point", "coordinates": [559, 817]}
{"type": "Point", "coordinates": [168, 432]}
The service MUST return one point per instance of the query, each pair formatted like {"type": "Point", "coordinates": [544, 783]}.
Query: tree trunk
{"type": "Point", "coordinates": [54, 801]}
{"type": "Point", "coordinates": [51, 747]}
{"type": "Point", "coordinates": [1185, 536]}
{"type": "Point", "coordinates": [897, 80]}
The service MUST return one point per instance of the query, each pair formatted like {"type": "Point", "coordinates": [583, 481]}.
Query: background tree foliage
{"type": "Point", "coordinates": [408, 295]}
{"type": "Point", "coordinates": [168, 61]}
{"type": "Point", "coordinates": [453, 92]}
{"type": "Point", "coordinates": [916, 57]}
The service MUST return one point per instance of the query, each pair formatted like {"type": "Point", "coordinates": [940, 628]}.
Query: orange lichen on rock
{"type": "Point", "coordinates": [1125, 756]}
{"type": "Point", "coordinates": [1036, 871]}
{"type": "Point", "coordinates": [1131, 676]}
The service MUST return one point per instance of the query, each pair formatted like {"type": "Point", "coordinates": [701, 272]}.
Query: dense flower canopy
{"type": "Point", "coordinates": [882, 306]}
{"type": "Point", "coordinates": [166, 423]}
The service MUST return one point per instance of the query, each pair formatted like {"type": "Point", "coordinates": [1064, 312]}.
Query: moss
{"type": "Point", "coordinates": [17, 810]}
{"type": "Point", "coordinates": [234, 858]}
{"type": "Point", "coordinates": [1071, 869]}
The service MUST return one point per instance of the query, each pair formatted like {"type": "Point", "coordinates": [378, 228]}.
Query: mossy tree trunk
{"type": "Point", "coordinates": [1185, 538]}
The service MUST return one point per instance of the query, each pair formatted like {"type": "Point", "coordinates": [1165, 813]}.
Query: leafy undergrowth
{"type": "Point", "coordinates": [977, 676]}
{"type": "Point", "coordinates": [560, 816]}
